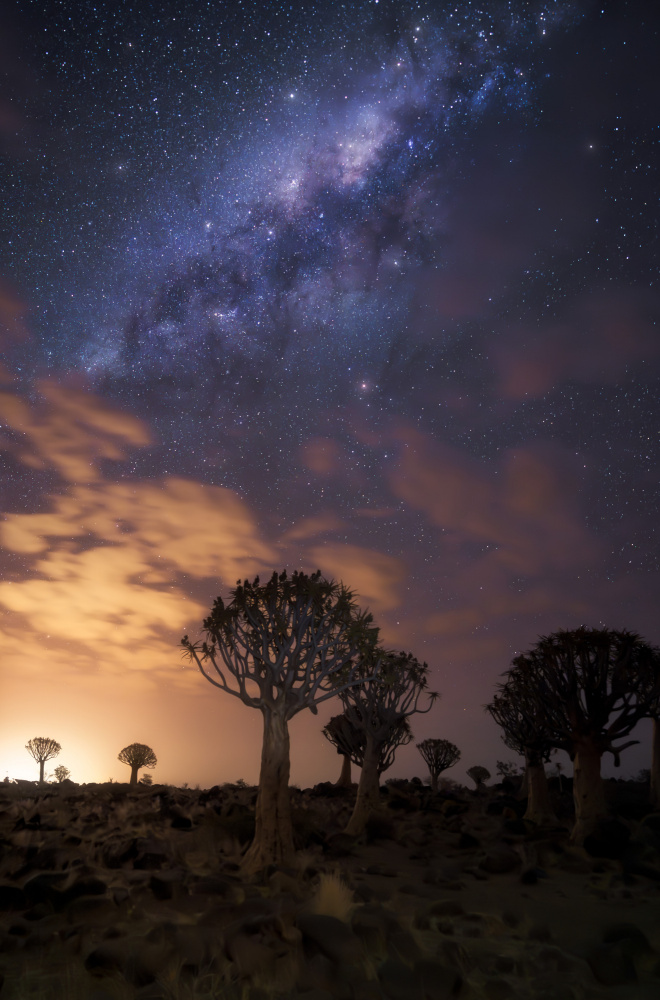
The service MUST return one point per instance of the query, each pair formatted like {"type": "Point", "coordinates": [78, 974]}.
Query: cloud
{"type": "Point", "coordinates": [376, 578]}
{"type": "Point", "coordinates": [595, 342]}
{"type": "Point", "coordinates": [70, 430]}
{"type": "Point", "coordinates": [322, 455]}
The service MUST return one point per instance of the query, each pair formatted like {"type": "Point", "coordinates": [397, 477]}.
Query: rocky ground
{"type": "Point", "coordinates": [110, 892]}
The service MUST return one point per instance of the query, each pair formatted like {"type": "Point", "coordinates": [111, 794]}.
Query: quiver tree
{"type": "Point", "coordinates": [351, 742]}
{"type": "Point", "coordinates": [587, 688]}
{"type": "Point", "coordinates": [522, 731]}
{"type": "Point", "coordinates": [378, 708]}
{"type": "Point", "coordinates": [137, 755]}
{"type": "Point", "coordinates": [439, 756]}
{"type": "Point", "coordinates": [42, 748]}
{"type": "Point", "coordinates": [61, 773]}
{"type": "Point", "coordinates": [479, 775]}
{"type": "Point", "coordinates": [281, 647]}
{"type": "Point", "coordinates": [655, 755]}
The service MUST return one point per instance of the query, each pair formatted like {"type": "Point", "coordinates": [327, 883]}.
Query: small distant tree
{"type": "Point", "coordinates": [137, 755]}
{"type": "Point", "coordinates": [146, 779]}
{"type": "Point", "coordinates": [506, 769]}
{"type": "Point", "coordinates": [479, 775]}
{"type": "Point", "coordinates": [586, 688]}
{"type": "Point", "coordinates": [282, 647]}
{"type": "Point", "coordinates": [380, 708]}
{"type": "Point", "coordinates": [439, 756]}
{"type": "Point", "coordinates": [42, 748]}
{"type": "Point", "coordinates": [61, 773]}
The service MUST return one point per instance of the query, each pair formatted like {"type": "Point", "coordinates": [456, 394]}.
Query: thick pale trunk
{"type": "Point", "coordinates": [134, 773]}
{"type": "Point", "coordinates": [655, 765]}
{"type": "Point", "coordinates": [345, 776]}
{"type": "Point", "coordinates": [41, 771]}
{"type": "Point", "coordinates": [368, 793]}
{"type": "Point", "coordinates": [434, 781]}
{"type": "Point", "coordinates": [588, 791]}
{"type": "Point", "coordinates": [523, 790]}
{"type": "Point", "coordinates": [539, 809]}
{"type": "Point", "coordinates": [273, 834]}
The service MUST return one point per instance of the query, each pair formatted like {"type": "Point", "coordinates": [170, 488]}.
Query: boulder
{"type": "Point", "coordinates": [332, 937]}
{"type": "Point", "coordinates": [611, 964]}
{"type": "Point", "coordinates": [499, 860]}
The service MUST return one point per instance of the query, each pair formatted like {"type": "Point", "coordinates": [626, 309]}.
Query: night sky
{"type": "Point", "coordinates": [367, 286]}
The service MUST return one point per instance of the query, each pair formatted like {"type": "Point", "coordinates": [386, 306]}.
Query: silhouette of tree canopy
{"type": "Point", "coordinates": [351, 742]}
{"type": "Point", "coordinates": [282, 647]}
{"type": "Point", "coordinates": [42, 748]}
{"type": "Point", "coordinates": [62, 772]}
{"type": "Point", "coordinates": [137, 755]}
{"type": "Point", "coordinates": [378, 708]}
{"type": "Point", "coordinates": [478, 774]}
{"type": "Point", "coordinates": [439, 756]}
{"type": "Point", "coordinates": [523, 731]}
{"type": "Point", "coordinates": [585, 688]}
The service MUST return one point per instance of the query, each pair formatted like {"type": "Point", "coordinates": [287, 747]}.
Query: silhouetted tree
{"type": "Point", "coordinates": [479, 775]}
{"type": "Point", "coordinates": [523, 732]}
{"type": "Point", "coordinates": [378, 708]}
{"type": "Point", "coordinates": [146, 779]}
{"type": "Point", "coordinates": [586, 688]}
{"type": "Point", "coordinates": [61, 772]}
{"type": "Point", "coordinates": [351, 742]}
{"type": "Point", "coordinates": [137, 755]}
{"type": "Point", "coordinates": [281, 647]}
{"type": "Point", "coordinates": [654, 776]}
{"type": "Point", "coordinates": [42, 748]}
{"type": "Point", "coordinates": [439, 756]}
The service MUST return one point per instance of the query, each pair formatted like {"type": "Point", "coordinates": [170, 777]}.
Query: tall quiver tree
{"type": "Point", "coordinates": [439, 756]}
{"type": "Point", "coordinates": [281, 647]}
{"type": "Point", "coordinates": [42, 748]}
{"type": "Point", "coordinates": [378, 708]}
{"type": "Point", "coordinates": [523, 732]}
{"type": "Point", "coordinates": [137, 755]}
{"type": "Point", "coordinates": [588, 688]}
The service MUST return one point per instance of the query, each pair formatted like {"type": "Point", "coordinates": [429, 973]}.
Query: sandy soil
{"type": "Point", "coordinates": [112, 892]}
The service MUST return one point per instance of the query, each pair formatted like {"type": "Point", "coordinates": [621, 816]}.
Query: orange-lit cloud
{"type": "Point", "coordinates": [70, 430]}
{"type": "Point", "coordinates": [375, 577]}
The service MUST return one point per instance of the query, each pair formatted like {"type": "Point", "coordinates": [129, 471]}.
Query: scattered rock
{"type": "Point", "coordinates": [499, 860]}
{"type": "Point", "coordinates": [332, 937]}
{"type": "Point", "coordinates": [609, 839]}
{"type": "Point", "coordinates": [611, 964]}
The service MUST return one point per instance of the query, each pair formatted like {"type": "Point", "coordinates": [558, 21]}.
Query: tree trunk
{"type": "Point", "coordinates": [655, 765]}
{"type": "Point", "coordinates": [345, 776]}
{"type": "Point", "coordinates": [523, 790]}
{"type": "Point", "coordinates": [588, 791]}
{"type": "Point", "coordinates": [539, 809]}
{"type": "Point", "coordinates": [434, 781]}
{"type": "Point", "coordinates": [368, 793]}
{"type": "Point", "coordinates": [41, 771]}
{"type": "Point", "coordinates": [134, 773]}
{"type": "Point", "coordinates": [273, 834]}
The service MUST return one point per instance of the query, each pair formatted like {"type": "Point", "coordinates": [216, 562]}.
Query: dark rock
{"type": "Point", "coordinates": [611, 965]}
{"type": "Point", "coordinates": [531, 875]}
{"type": "Point", "coordinates": [401, 944]}
{"type": "Point", "coordinates": [384, 870]}
{"type": "Point", "coordinates": [466, 841]}
{"type": "Point", "coordinates": [515, 827]}
{"type": "Point", "coordinates": [608, 840]}
{"type": "Point", "coordinates": [539, 932]}
{"type": "Point", "coordinates": [500, 860]}
{"type": "Point", "coordinates": [12, 898]}
{"type": "Point", "coordinates": [634, 941]}
{"type": "Point", "coordinates": [332, 937]}
{"type": "Point", "coordinates": [43, 887]}
{"type": "Point", "coordinates": [399, 982]}
{"type": "Point", "coordinates": [439, 981]}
